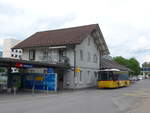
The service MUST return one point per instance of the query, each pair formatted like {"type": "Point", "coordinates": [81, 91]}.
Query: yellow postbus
{"type": "Point", "coordinates": [113, 78]}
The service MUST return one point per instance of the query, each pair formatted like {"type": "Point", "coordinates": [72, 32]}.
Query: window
{"type": "Point", "coordinates": [95, 58]}
{"type": "Point", "coordinates": [89, 41]}
{"type": "Point", "coordinates": [20, 51]}
{"type": "Point", "coordinates": [104, 75]}
{"type": "Point", "coordinates": [19, 56]}
{"type": "Point", "coordinates": [80, 76]}
{"type": "Point", "coordinates": [16, 51]}
{"type": "Point", "coordinates": [89, 57]}
{"type": "Point", "coordinates": [12, 55]}
{"type": "Point", "coordinates": [16, 56]}
{"type": "Point", "coordinates": [32, 55]}
{"type": "Point", "coordinates": [95, 73]}
{"type": "Point", "coordinates": [81, 55]}
{"type": "Point", "coordinates": [45, 53]}
{"type": "Point", "coordinates": [89, 76]}
{"type": "Point", "coordinates": [62, 53]}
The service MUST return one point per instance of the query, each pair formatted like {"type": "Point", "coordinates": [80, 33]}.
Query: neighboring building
{"type": "Point", "coordinates": [1, 53]}
{"type": "Point", "coordinates": [110, 64]}
{"type": "Point", "coordinates": [107, 57]}
{"type": "Point", "coordinates": [7, 52]}
{"type": "Point", "coordinates": [145, 71]}
{"type": "Point", "coordinates": [80, 47]}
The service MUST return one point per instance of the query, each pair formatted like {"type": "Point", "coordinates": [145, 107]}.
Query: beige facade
{"type": "Point", "coordinates": [7, 52]}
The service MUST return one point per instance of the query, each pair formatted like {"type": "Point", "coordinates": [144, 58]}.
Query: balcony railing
{"type": "Point", "coordinates": [59, 60]}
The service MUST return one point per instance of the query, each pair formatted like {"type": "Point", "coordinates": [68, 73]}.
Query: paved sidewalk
{"type": "Point", "coordinates": [143, 107]}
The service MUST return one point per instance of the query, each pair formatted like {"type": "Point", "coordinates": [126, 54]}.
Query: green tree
{"type": "Point", "coordinates": [134, 66]}
{"type": "Point", "coordinates": [121, 60]}
{"type": "Point", "coordinates": [131, 63]}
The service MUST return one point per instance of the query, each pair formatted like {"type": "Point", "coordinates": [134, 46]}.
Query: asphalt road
{"type": "Point", "coordinates": [83, 101]}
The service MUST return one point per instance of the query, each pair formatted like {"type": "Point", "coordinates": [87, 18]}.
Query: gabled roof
{"type": "Point", "coordinates": [110, 64]}
{"type": "Point", "coordinates": [59, 37]}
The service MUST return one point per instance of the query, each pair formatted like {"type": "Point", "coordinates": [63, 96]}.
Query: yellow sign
{"type": "Point", "coordinates": [77, 70]}
{"type": "Point", "coordinates": [39, 78]}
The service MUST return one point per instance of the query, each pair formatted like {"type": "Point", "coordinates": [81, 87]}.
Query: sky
{"type": "Point", "coordinates": [125, 24]}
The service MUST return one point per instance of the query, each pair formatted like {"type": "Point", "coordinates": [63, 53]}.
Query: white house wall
{"type": "Point", "coordinates": [88, 77]}
{"type": "Point", "coordinates": [85, 66]}
{"type": "Point", "coordinates": [92, 49]}
{"type": "Point", "coordinates": [25, 55]}
{"type": "Point", "coordinates": [39, 54]}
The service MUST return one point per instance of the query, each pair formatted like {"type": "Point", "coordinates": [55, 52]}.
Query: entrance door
{"type": "Point", "coordinates": [60, 79]}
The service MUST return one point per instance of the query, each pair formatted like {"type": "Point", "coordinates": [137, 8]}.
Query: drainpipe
{"type": "Point", "coordinates": [100, 60]}
{"type": "Point", "coordinates": [9, 82]}
{"type": "Point", "coordinates": [74, 66]}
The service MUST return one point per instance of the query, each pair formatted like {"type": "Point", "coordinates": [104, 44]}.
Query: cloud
{"type": "Point", "coordinates": [1, 42]}
{"type": "Point", "coordinates": [141, 45]}
{"type": "Point", "coordinates": [124, 23]}
{"type": "Point", "coordinates": [146, 58]}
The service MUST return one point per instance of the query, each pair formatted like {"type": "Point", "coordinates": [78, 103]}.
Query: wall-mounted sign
{"type": "Point", "coordinates": [19, 65]}
{"type": "Point", "coordinates": [39, 78]}
{"type": "Point", "coordinates": [77, 69]}
{"type": "Point", "coordinates": [27, 65]}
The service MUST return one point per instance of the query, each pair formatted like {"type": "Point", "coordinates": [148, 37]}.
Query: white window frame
{"type": "Point", "coordinates": [81, 54]}
{"type": "Point", "coordinates": [89, 57]}
{"type": "Point", "coordinates": [89, 76]}
{"type": "Point", "coordinates": [95, 59]}
{"type": "Point", "coordinates": [31, 54]}
{"type": "Point", "coordinates": [81, 76]}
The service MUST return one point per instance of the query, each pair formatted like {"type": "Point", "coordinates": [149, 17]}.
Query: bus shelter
{"type": "Point", "coordinates": [32, 81]}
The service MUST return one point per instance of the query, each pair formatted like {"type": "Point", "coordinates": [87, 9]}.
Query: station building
{"type": "Point", "coordinates": [79, 48]}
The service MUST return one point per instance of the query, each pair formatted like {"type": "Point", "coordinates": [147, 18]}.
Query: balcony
{"type": "Point", "coordinates": [59, 60]}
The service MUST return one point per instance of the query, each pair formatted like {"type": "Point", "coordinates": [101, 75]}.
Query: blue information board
{"type": "Point", "coordinates": [40, 81]}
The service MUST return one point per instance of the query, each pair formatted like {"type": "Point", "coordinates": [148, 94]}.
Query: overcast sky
{"type": "Point", "coordinates": [125, 23]}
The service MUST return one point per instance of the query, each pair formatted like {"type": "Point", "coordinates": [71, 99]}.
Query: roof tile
{"type": "Point", "coordinates": [66, 36]}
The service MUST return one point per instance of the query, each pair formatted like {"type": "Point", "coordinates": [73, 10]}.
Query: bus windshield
{"type": "Point", "coordinates": [106, 75]}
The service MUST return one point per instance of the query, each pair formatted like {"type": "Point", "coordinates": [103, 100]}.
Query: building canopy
{"type": "Point", "coordinates": [9, 62]}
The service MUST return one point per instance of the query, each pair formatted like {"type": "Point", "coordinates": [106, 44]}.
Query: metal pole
{"type": "Point", "coordinates": [100, 60]}
{"type": "Point", "coordinates": [33, 86]}
{"type": "Point", "coordinates": [74, 66]}
{"type": "Point", "coordinates": [9, 80]}
{"type": "Point", "coordinates": [43, 82]}
{"type": "Point", "coordinates": [56, 82]}
{"type": "Point", "coordinates": [47, 89]}
{"type": "Point", "coordinates": [14, 88]}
